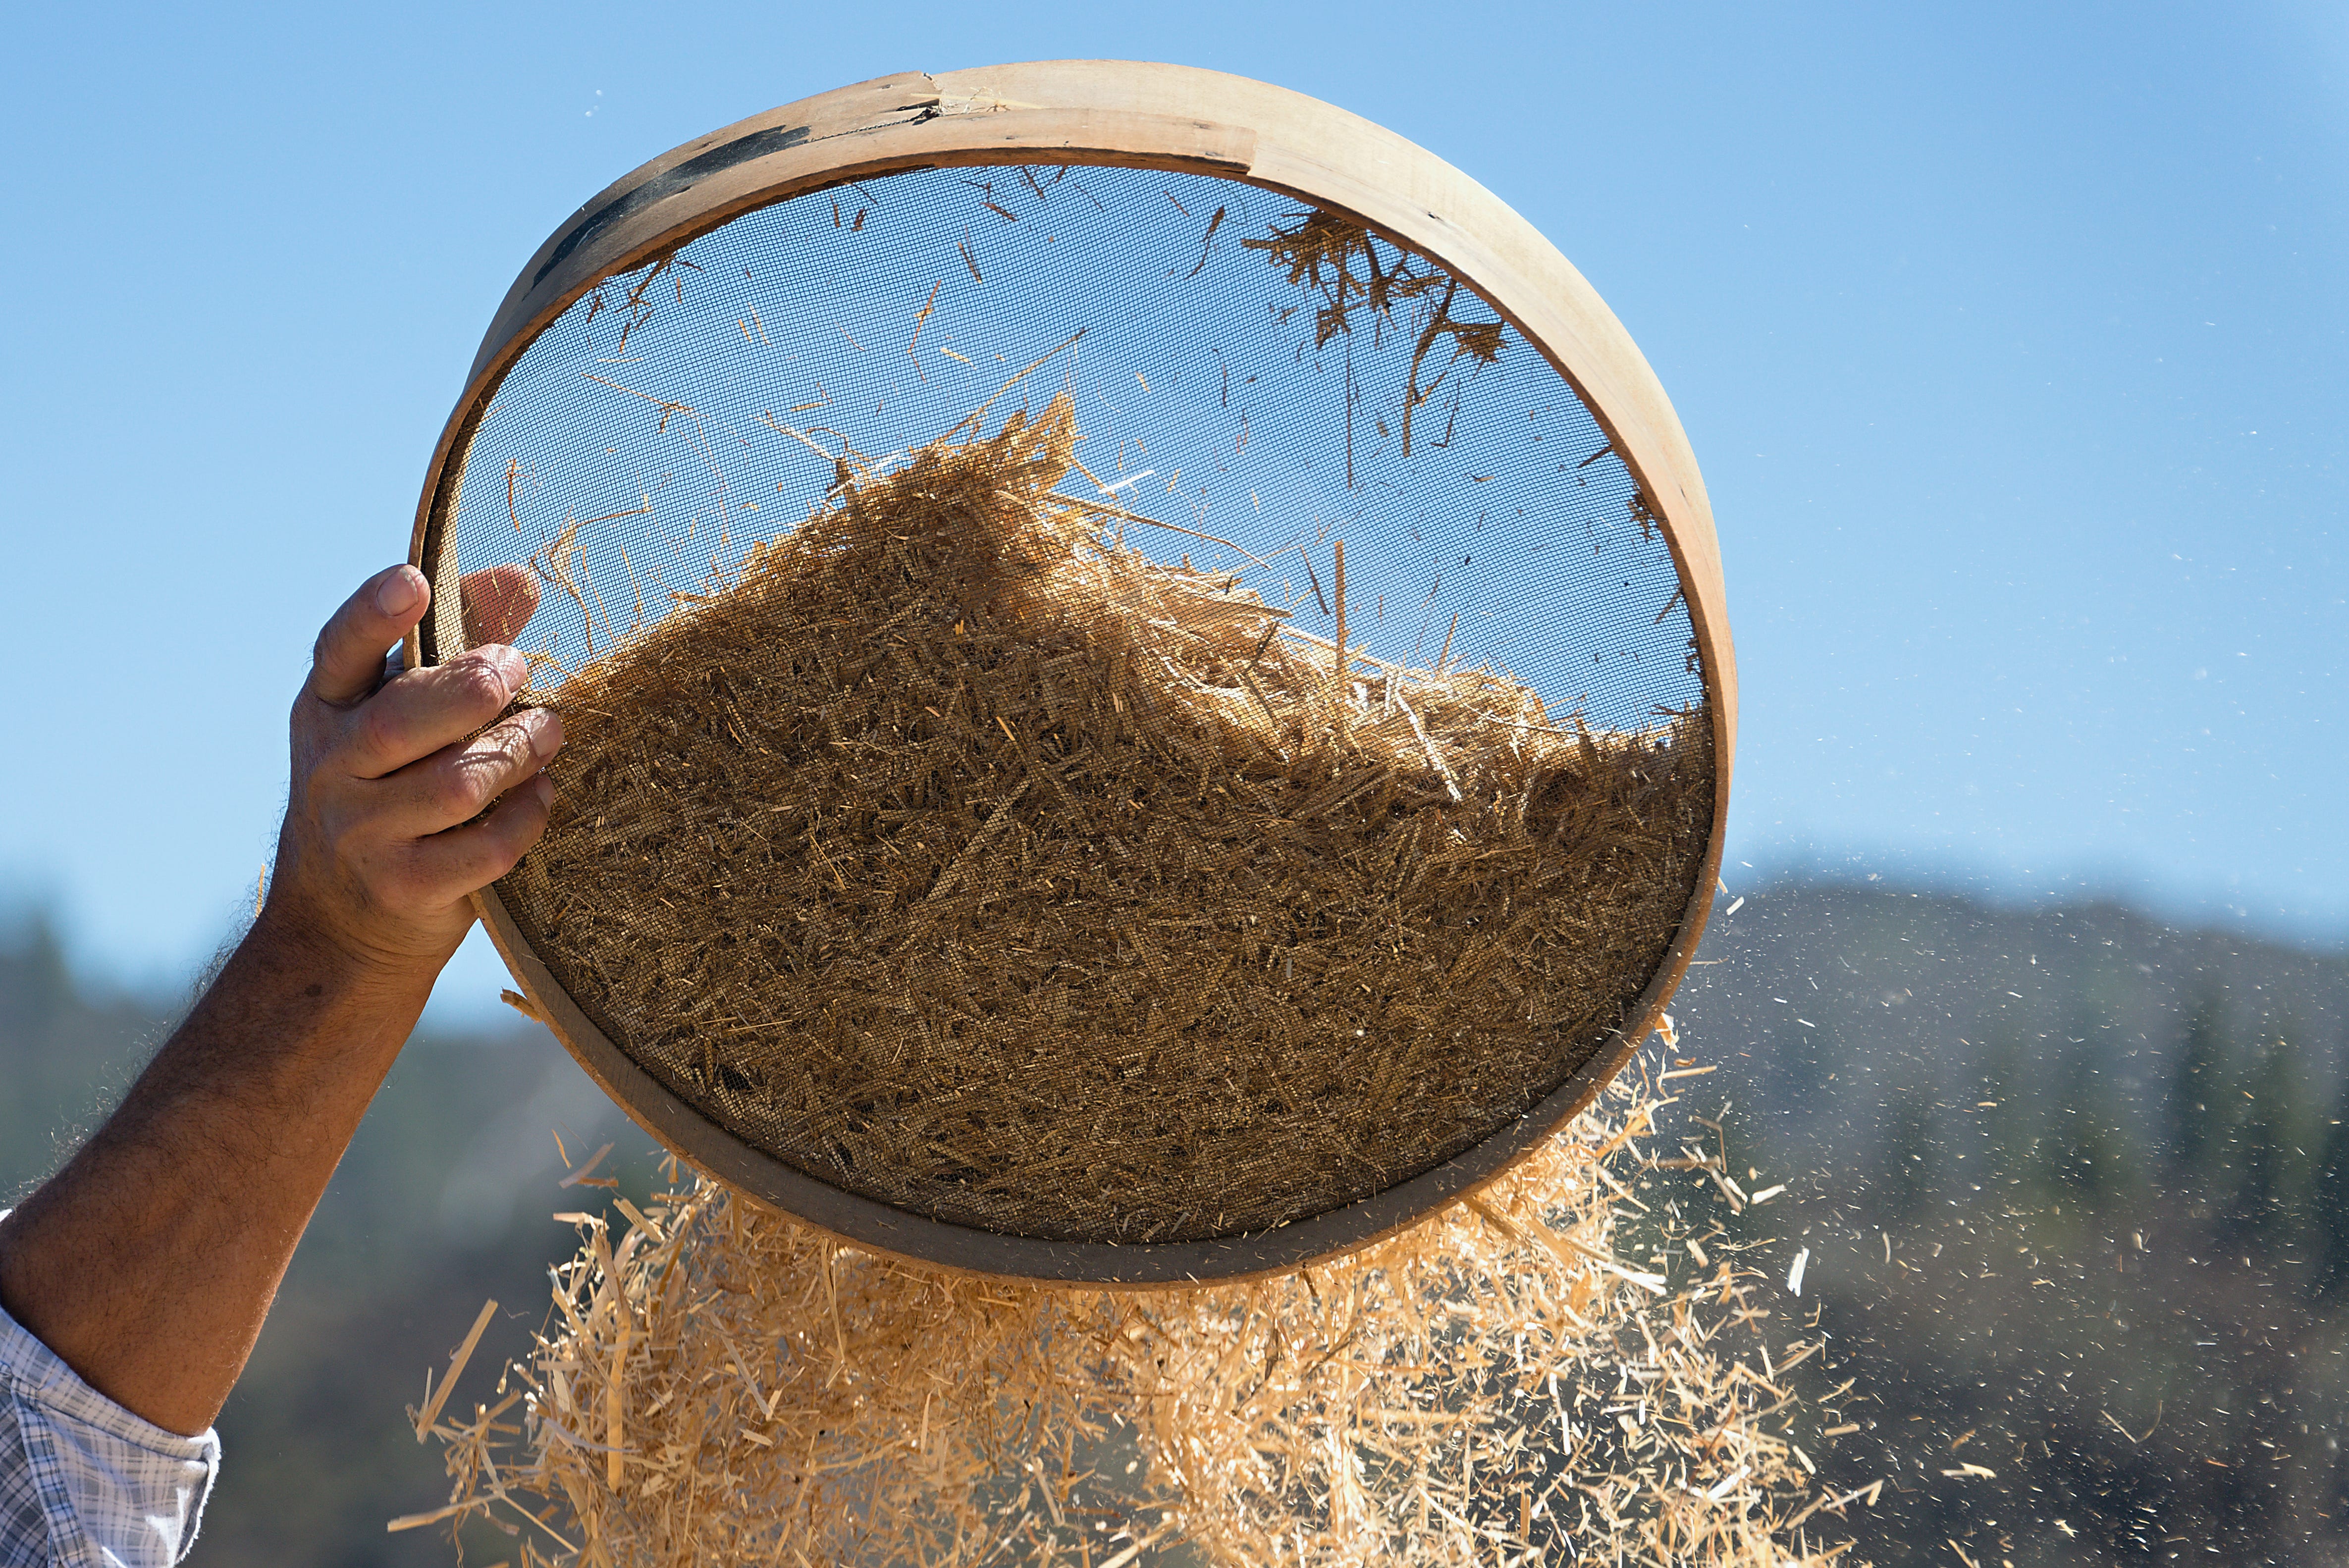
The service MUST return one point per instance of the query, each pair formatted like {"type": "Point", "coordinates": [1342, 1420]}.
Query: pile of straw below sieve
{"type": "Point", "coordinates": [967, 859]}
{"type": "Point", "coordinates": [715, 1384]}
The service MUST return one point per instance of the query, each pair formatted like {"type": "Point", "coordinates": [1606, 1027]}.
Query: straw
{"type": "Point", "coordinates": [967, 858]}
{"type": "Point", "coordinates": [1495, 1385]}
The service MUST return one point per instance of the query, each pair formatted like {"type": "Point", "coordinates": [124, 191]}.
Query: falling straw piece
{"type": "Point", "coordinates": [1132, 1552]}
{"type": "Point", "coordinates": [584, 1170]}
{"type": "Point", "coordinates": [417, 1520]}
{"type": "Point", "coordinates": [436, 1397]}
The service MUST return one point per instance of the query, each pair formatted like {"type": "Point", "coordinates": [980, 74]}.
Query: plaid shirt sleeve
{"type": "Point", "coordinates": [84, 1484]}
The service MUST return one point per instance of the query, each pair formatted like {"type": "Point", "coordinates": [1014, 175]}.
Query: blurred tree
{"type": "Point", "coordinates": [2198, 1114]}
{"type": "Point", "coordinates": [2270, 1144]}
{"type": "Point", "coordinates": [2329, 1203]}
{"type": "Point", "coordinates": [1907, 1164]}
{"type": "Point", "coordinates": [2087, 1150]}
{"type": "Point", "coordinates": [65, 1056]}
{"type": "Point", "coordinates": [2008, 1105]}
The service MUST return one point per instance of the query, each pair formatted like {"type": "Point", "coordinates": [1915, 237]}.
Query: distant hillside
{"type": "Point", "coordinates": [66, 1058]}
{"type": "Point", "coordinates": [2059, 1174]}
{"type": "Point", "coordinates": [1926, 1000]}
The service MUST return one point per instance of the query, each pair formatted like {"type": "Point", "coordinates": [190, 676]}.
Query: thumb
{"type": "Point", "coordinates": [347, 663]}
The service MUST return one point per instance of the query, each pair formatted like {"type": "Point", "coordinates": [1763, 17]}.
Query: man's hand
{"type": "Point", "coordinates": [149, 1260]}
{"type": "Point", "coordinates": [385, 835]}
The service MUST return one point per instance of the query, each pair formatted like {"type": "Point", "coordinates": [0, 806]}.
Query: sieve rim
{"type": "Point", "coordinates": [1180, 120]}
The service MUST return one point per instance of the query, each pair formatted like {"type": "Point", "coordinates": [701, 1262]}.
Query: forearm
{"type": "Point", "coordinates": [149, 1262]}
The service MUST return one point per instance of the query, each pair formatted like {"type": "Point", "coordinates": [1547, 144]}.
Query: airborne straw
{"type": "Point", "coordinates": [1442, 1399]}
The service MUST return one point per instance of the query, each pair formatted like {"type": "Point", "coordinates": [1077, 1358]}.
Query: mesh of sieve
{"type": "Point", "coordinates": [972, 836]}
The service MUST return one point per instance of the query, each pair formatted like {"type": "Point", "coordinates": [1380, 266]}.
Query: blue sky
{"type": "Point", "coordinates": [2012, 338]}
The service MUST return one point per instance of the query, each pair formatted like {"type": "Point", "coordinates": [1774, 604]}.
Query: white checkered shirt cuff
{"type": "Point", "coordinates": [84, 1484]}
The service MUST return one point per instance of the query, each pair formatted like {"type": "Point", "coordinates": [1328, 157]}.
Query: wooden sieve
{"type": "Point", "coordinates": [1148, 686]}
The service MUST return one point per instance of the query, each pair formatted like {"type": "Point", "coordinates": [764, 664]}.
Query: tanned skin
{"type": "Point", "coordinates": [149, 1262]}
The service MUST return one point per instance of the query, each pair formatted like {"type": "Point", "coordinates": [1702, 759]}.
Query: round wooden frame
{"type": "Point", "coordinates": [1135, 116]}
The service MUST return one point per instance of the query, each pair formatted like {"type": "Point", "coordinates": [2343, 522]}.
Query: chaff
{"type": "Point", "coordinates": [1437, 1399]}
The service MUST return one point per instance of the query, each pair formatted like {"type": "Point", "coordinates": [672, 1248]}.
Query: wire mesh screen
{"type": "Point", "coordinates": [1103, 706]}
